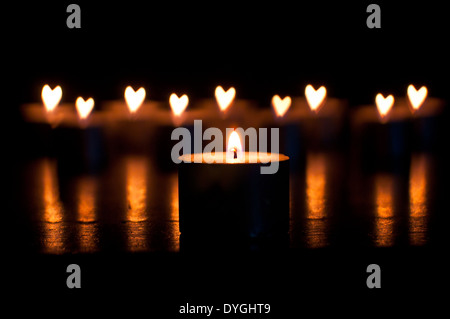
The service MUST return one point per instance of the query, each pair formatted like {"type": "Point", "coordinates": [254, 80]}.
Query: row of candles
{"type": "Point", "coordinates": [264, 198]}
{"type": "Point", "coordinates": [313, 120]}
{"type": "Point", "coordinates": [315, 99]}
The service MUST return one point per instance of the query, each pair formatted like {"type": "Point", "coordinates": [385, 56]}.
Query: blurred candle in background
{"type": "Point", "coordinates": [427, 124]}
{"type": "Point", "coordinates": [224, 98]}
{"type": "Point", "coordinates": [380, 135]}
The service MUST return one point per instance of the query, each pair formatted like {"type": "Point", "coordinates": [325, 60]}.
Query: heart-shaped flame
{"type": "Point", "coordinates": [281, 105]}
{"type": "Point", "coordinates": [315, 98]}
{"type": "Point", "coordinates": [417, 97]}
{"type": "Point", "coordinates": [178, 104]}
{"type": "Point", "coordinates": [384, 105]}
{"type": "Point", "coordinates": [50, 97]}
{"type": "Point", "coordinates": [84, 108]}
{"type": "Point", "coordinates": [133, 98]}
{"type": "Point", "coordinates": [224, 99]}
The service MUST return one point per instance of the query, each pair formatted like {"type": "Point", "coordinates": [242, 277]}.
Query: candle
{"type": "Point", "coordinates": [322, 118]}
{"type": "Point", "coordinates": [79, 138]}
{"type": "Point", "coordinates": [225, 195]}
{"type": "Point", "coordinates": [131, 127]}
{"type": "Point", "coordinates": [41, 118]}
{"type": "Point", "coordinates": [427, 124]}
{"type": "Point", "coordinates": [380, 134]}
{"type": "Point", "coordinates": [285, 119]}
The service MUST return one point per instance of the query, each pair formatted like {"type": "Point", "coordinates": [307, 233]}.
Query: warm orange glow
{"type": "Point", "coordinates": [178, 104]}
{"type": "Point", "coordinates": [315, 98]}
{"type": "Point", "coordinates": [384, 221]}
{"type": "Point", "coordinates": [281, 106]}
{"type": "Point", "coordinates": [234, 148]}
{"type": "Point", "coordinates": [136, 187]}
{"type": "Point", "coordinates": [315, 199]}
{"type": "Point", "coordinates": [224, 99]}
{"type": "Point", "coordinates": [51, 98]}
{"type": "Point", "coordinates": [54, 235]}
{"type": "Point", "coordinates": [417, 97]}
{"type": "Point", "coordinates": [87, 228]}
{"type": "Point", "coordinates": [87, 188]}
{"type": "Point", "coordinates": [315, 185]}
{"type": "Point", "coordinates": [418, 199]}
{"type": "Point", "coordinates": [134, 99]}
{"type": "Point", "coordinates": [174, 208]}
{"type": "Point", "coordinates": [384, 105]}
{"type": "Point", "coordinates": [84, 108]}
{"type": "Point", "coordinates": [52, 203]}
{"type": "Point", "coordinates": [136, 173]}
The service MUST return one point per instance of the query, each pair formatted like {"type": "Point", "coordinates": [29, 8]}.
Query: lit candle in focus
{"type": "Point", "coordinates": [225, 194]}
{"type": "Point", "coordinates": [384, 219]}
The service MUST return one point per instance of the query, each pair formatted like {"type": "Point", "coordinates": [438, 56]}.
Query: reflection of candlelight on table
{"type": "Point", "coordinates": [136, 189]}
{"type": "Point", "coordinates": [418, 213]}
{"type": "Point", "coordinates": [53, 240]}
{"type": "Point", "coordinates": [174, 211]}
{"type": "Point", "coordinates": [87, 229]}
{"type": "Point", "coordinates": [384, 217]}
{"type": "Point", "coordinates": [316, 223]}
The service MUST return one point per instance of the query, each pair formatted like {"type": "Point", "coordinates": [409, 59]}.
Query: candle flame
{"type": "Point", "coordinates": [50, 97]}
{"type": "Point", "coordinates": [224, 99]}
{"type": "Point", "coordinates": [234, 147]}
{"type": "Point", "coordinates": [133, 98]}
{"type": "Point", "coordinates": [84, 108]}
{"type": "Point", "coordinates": [384, 105]}
{"type": "Point", "coordinates": [178, 104]}
{"type": "Point", "coordinates": [281, 106]}
{"type": "Point", "coordinates": [315, 98]}
{"type": "Point", "coordinates": [417, 97]}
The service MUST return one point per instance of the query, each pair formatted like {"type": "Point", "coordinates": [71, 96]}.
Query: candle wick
{"type": "Point", "coordinates": [234, 152]}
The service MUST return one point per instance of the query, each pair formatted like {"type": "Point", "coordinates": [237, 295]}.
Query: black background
{"type": "Point", "coordinates": [262, 49]}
